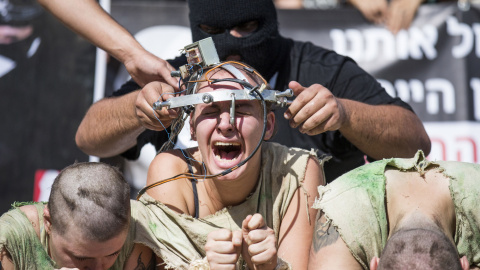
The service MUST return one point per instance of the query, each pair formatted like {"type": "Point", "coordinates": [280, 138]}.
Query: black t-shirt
{"type": "Point", "coordinates": [308, 64]}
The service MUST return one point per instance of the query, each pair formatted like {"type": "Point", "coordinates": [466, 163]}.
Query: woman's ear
{"type": "Point", "coordinates": [270, 126]}
{"type": "Point", "coordinates": [47, 219]}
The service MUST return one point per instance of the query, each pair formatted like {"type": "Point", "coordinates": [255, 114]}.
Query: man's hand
{"type": "Point", "coordinates": [260, 247]}
{"type": "Point", "coordinates": [372, 10]}
{"type": "Point", "coordinates": [315, 109]}
{"type": "Point", "coordinates": [145, 67]}
{"type": "Point", "coordinates": [223, 249]}
{"type": "Point", "coordinates": [401, 13]}
{"type": "Point", "coordinates": [151, 93]}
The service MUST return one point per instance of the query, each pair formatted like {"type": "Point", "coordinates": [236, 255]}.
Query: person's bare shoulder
{"type": "Point", "coordinates": [168, 165]}
{"type": "Point", "coordinates": [328, 250]}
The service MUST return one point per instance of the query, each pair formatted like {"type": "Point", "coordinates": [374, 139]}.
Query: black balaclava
{"type": "Point", "coordinates": [261, 49]}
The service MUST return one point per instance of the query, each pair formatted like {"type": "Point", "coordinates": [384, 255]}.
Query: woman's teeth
{"type": "Point", "coordinates": [227, 150]}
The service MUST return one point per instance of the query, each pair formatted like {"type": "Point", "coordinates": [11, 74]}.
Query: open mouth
{"type": "Point", "coordinates": [227, 151]}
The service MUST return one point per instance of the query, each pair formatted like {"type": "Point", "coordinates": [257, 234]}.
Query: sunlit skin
{"type": "Point", "coordinates": [11, 34]}
{"type": "Point", "coordinates": [211, 127]}
{"type": "Point", "coordinates": [73, 250]}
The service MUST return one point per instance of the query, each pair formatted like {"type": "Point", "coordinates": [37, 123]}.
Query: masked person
{"type": "Point", "coordinates": [253, 215]}
{"type": "Point", "coordinates": [399, 214]}
{"type": "Point", "coordinates": [86, 224]}
{"type": "Point", "coordinates": [339, 108]}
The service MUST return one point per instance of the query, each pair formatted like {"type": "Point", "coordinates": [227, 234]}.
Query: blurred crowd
{"type": "Point", "coordinates": [394, 15]}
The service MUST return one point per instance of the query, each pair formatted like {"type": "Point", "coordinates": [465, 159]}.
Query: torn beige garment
{"type": "Point", "coordinates": [18, 237]}
{"type": "Point", "coordinates": [362, 192]}
{"type": "Point", "coordinates": [179, 239]}
{"type": "Point", "coordinates": [465, 192]}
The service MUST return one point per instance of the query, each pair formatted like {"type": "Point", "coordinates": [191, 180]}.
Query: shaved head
{"type": "Point", "coordinates": [91, 197]}
{"type": "Point", "coordinates": [419, 249]}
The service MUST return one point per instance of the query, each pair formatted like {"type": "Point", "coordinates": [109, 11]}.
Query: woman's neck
{"type": "Point", "coordinates": [223, 193]}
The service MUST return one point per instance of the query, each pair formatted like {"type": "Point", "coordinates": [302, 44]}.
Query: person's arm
{"type": "Point", "coordinates": [328, 250]}
{"type": "Point", "coordinates": [297, 226]}
{"type": "Point", "coordinates": [87, 18]}
{"type": "Point", "coordinates": [141, 257]}
{"type": "Point", "coordinates": [380, 131]}
{"type": "Point", "coordinates": [372, 10]}
{"type": "Point", "coordinates": [111, 126]}
{"type": "Point", "coordinates": [384, 131]}
{"type": "Point", "coordinates": [401, 13]}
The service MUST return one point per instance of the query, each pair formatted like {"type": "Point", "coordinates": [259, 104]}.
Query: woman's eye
{"type": "Point", "coordinates": [242, 109]}
{"type": "Point", "coordinates": [240, 112]}
{"type": "Point", "coordinates": [209, 112]}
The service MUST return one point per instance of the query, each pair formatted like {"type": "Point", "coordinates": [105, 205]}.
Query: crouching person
{"type": "Point", "coordinates": [86, 224]}
{"type": "Point", "coordinates": [400, 214]}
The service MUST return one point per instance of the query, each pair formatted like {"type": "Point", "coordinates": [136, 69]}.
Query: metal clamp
{"type": "Point", "coordinates": [274, 96]}
{"type": "Point", "coordinates": [281, 97]}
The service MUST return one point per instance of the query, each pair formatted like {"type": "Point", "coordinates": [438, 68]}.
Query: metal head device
{"type": "Point", "coordinates": [277, 97]}
{"type": "Point", "coordinates": [202, 65]}
{"type": "Point", "coordinates": [202, 59]}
